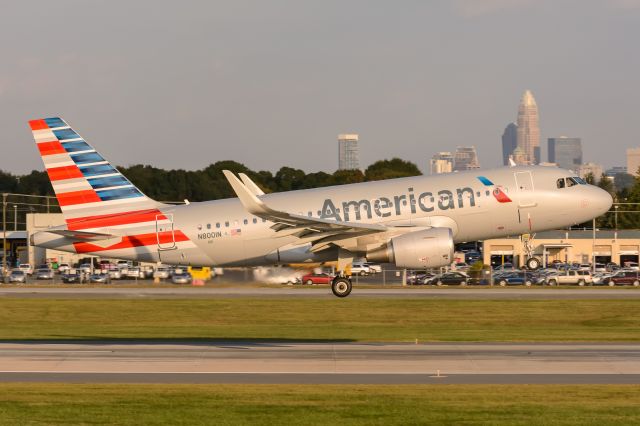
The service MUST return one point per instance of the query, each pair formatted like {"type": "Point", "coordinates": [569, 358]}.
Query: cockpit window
{"type": "Point", "coordinates": [560, 183]}
{"type": "Point", "coordinates": [571, 182]}
{"type": "Point", "coordinates": [579, 180]}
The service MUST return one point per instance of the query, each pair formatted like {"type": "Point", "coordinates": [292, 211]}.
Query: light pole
{"type": "Point", "coordinates": [4, 232]}
{"type": "Point", "coordinates": [15, 217]}
{"type": "Point", "coordinates": [616, 215]}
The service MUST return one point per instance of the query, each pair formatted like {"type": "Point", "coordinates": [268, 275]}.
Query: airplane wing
{"type": "Point", "coordinates": [309, 228]}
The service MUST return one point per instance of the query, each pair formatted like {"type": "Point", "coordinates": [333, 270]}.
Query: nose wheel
{"type": "Point", "coordinates": [341, 286]}
{"type": "Point", "coordinates": [533, 263]}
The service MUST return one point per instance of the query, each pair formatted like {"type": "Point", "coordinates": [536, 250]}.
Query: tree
{"type": "Point", "coordinates": [623, 181]}
{"type": "Point", "coordinates": [342, 177]}
{"type": "Point", "coordinates": [389, 169]}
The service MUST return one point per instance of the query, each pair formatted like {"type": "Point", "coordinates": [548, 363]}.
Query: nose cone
{"type": "Point", "coordinates": [601, 200]}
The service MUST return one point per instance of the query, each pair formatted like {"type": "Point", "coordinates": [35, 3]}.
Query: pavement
{"type": "Point", "coordinates": [240, 290]}
{"type": "Point", "coordinates": [308, 363]}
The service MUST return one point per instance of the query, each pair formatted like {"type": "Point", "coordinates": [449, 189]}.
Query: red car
{"type": "Point", "coordinates": [317, 279]}
{"type": "Point", "coordinates": [622, 278]}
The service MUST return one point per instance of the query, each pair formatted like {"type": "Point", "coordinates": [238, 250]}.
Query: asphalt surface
{"type": "Point", "coordinates": [308, 363]}
{"type": "Point", "coordinates": [245, 290]}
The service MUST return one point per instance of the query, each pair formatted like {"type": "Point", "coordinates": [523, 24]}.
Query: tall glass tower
{"type": "Point", "coordinates": [348, 152]}
{"type": "Point", "coordinates": [529, 129]}
{"type": "Point", "coordinates": [509, 142]}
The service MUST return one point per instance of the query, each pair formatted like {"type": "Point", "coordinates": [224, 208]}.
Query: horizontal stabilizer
{"type": "Point", "coordinates": [82, 235]}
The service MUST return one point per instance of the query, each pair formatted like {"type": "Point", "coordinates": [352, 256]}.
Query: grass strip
{"type": "Point", "coordinates": [355, 319]}
{"type": "Point", "coordinates": [30, 404]}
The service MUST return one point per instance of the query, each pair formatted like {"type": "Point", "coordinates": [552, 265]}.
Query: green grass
{"type": "Point", "coordinates": [26, 404]}
{"type": "Point", "coordinates": [355, 319]}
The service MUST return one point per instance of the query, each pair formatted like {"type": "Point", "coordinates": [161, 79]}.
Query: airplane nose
{"type": "Point", "coordinates": [601, 200]}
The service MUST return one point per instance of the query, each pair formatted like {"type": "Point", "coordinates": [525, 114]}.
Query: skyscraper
{"type": "Point", "coordinates": [442, 162]}
{"type": "Point", "coordinates": [465, 158]}
{"type": "Point", "coordinates": [565, 152]}
{"type": "Point", "coordinates": [509, 142]}
{"type": "Point", "coordinates": [348, 152]}
{"type": "Point", "coordinates": [633, 161]}
{"type": "Point", "coordinates": [529, 128]}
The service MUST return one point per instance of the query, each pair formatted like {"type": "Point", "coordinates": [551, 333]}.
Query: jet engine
{"type": "Point", "coordinates": [429, 248]}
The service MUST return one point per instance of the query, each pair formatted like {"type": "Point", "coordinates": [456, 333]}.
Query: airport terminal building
{"type": "Point", "coordinates": [567, 246]}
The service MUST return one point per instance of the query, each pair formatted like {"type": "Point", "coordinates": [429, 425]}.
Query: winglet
{"type": "Point", "coordinates": [251, 185]}
{"type": "Point", "coordinates": [248, 199]}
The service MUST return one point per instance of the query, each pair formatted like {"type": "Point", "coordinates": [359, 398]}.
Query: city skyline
{"type": "Point", "coordinates": [185, 85]}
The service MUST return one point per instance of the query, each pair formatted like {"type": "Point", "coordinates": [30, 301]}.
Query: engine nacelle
{"type": "Point", "coordinates": [430, 248]}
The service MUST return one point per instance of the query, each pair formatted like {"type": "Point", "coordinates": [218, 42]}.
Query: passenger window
{"type": "Point", "coordinates": [487, 193]}
{"type": "Point", "coordinates": [246, 222]}
{"type": "Point", "coordinates": [226, 224]}
{"type": "Point", "coordinates": [208, 226]}
{"type": "Point", "coordinates": [255, 220]}
{"type": "Point", "coordinates": [218, 225]}
{"type": "Point", "coordinates": [560, 183]}
{"type": "Point", "coordinates": [571, 182]}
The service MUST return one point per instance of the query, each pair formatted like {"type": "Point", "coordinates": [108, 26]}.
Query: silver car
{"type": "Point", "coordinates": [184, 278]}
{"type": "Point", "coordinates": [44, 274]}
{"type": "Point", "coordinates": [17, 276]}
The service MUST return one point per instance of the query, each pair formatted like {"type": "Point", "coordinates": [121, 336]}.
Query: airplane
{"type": "Point", "coordinates": [412, 222]}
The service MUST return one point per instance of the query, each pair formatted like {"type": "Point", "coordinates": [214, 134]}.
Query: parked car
{"type": "Point", "coordinates": [421, 279]}
{"type": "Point", "coordinates": [26, 268]}
{"type": "Point", "coordinates": [134, 273]}
{"type": "Point", "coordinates": [516, 278]}
{"type": "Point", "coordinates": [71, 278]}
{"type": "Point", "coordinates": [623, 278]}
{"type": "Point", "coordinates": [85, 268]}
{"type": "Point", "coordinates": [504, 267]}
{"type": "Point", "coordinates": [359, 269]}
{"type": "Point", "coordinates": [124, 264]}
{"type": "Point", "coordinates": [162, 272]}
{"type": "Point", "coordinates": [63, 268]}
{"type": "Point", "coordinates": [99, 278]}
{"type": "Point", "coordinates": [569, 276]}
{"type": "Point", "coordinates": [317, 278]}
{"type": "Point", "coordinates": [182, 278]}
{"type": "Point", "coordinates": [449, 278]}
{"type": "Point", "coordinates": [114, 273]}
{"type": "Point", "coordinates": [44, 274]}
{"type": "Point", "coordinates": [631, 265]}
{"type": "Point", "coordinates": [374, 268]}
{"type": "Point", "coordinates": [17, 276]}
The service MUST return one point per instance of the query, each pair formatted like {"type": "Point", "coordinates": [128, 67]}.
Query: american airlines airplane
{"type": "Point", "coordinates": [412, 222]}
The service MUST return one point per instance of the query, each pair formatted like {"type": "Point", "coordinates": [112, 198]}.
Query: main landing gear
{"type": "Point", "coordinates": [341, 286]}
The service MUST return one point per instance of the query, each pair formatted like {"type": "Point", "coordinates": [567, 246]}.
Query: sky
{"type": "Point", "coordinates": [272, 83]}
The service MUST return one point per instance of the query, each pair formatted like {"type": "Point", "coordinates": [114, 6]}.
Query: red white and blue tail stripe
{"type": "Point", "coordinates": [96, 198]}
{"type": "Point", "coordinates": [84, 182]}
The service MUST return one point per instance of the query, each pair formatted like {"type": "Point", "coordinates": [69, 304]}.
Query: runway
{"type": "Point", "coordinates": [239, 290]}
{"type": "Point", "coordinates": [251, 362]}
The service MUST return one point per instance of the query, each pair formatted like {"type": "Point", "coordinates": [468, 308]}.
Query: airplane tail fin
{"type": "Point", "coordinates": [87, 186]}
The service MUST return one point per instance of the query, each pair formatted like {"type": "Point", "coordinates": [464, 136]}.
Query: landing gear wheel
{"type": "Point", "coordinates": [532, 263]}
{"type": "Point", "coordinates": [341, 287]}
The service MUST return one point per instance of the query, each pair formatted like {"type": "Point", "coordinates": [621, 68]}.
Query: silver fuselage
{"type": "Point", "coordinates": [222, 233]}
